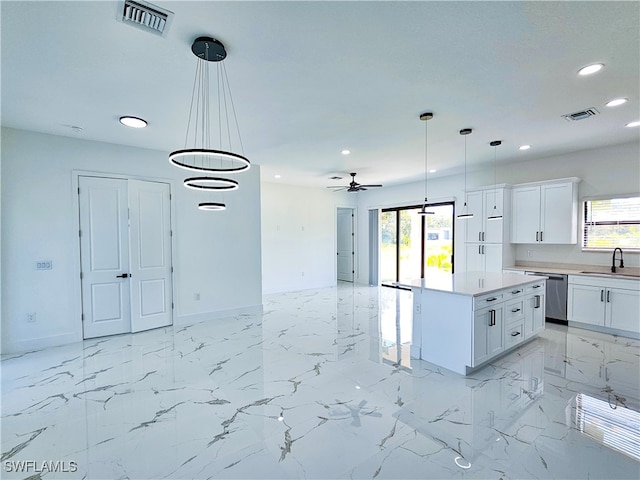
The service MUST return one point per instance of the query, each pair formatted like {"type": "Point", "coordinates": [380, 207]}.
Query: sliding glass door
{"type": "Point", "coordinates": [412, 245]}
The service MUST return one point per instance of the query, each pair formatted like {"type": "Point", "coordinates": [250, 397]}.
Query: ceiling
{"type": "Point", "coordinates": [312, 78]}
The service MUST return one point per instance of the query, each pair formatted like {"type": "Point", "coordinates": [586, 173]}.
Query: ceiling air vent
{"type": "Point", "coordinates": [145, 16]}
{"type": "Point", "coordinates": [586, 113]}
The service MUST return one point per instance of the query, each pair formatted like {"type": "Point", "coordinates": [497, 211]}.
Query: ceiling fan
{"type": "Point", "coordinates": [353, 186]}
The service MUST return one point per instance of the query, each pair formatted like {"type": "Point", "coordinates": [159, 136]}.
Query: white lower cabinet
{"type": "Point", "coordinates": [488, 339]}
{"type": "Point", "coordinates": [606, 303]}
{"type": "Point", "coordinates": [534, 310]}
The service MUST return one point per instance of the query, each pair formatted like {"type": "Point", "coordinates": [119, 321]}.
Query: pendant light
{"type": "Point", "coordinates": [425, 117]}
{"type": "Point", "coordinates": [198, 155]}
{"type": "Point", "coordinates": [495, 215]}
{"type": "Point", "coordinates": [465, 211]}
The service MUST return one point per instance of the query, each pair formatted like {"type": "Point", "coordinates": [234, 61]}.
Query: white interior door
{"type": "Point", "coordinates": [125, 251]}
{"type": "Point", "coordinates": [150, 223]}
{"type": "Point", "coordinates": [104, 246]}
{"type": "Point", "coordinates": [345, 245]}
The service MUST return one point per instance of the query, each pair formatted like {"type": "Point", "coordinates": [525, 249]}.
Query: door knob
{"type": "Point", "coordinates": [124, 275]}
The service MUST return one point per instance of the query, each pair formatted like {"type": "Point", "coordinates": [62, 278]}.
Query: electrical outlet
{"type": "Point", "coordinates": [31, 317]}
{"type": "Point", "coordinates": [529, 253]}
{"type": "Point", "coordinates": [196, 296]}
{"type": "Point", "coordinates": [418, 308]}
{"type": "Point", "coordinates": [44, 265]}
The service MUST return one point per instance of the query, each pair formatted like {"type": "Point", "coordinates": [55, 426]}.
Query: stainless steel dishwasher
{"type": "Point", "coordinates": [556, 303]}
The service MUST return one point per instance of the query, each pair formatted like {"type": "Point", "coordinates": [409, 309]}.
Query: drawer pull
{"type": "Point", "coordinates": [515, 334]}
{"type": "Point", "coordinates": [536, 286]}
{"type": "Point", "coordinates": [514, 310]}
{"type": "Point", "coordinates": [492, 299]}
{"type": "Point", "coordinates": [514, 292]}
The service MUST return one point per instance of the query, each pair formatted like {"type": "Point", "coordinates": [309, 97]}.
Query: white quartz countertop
{"type": "Point", "coordinates": [471, 283]}
{"type": "Point", "coordinates": [630, 273]}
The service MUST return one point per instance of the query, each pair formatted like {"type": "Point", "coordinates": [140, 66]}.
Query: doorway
{"type": "Point", "coordinates": [125, 255]}
{"type": "Point", "coordinates": [345, 244]}
{"type": "Point", "coordinates": [413, 245]}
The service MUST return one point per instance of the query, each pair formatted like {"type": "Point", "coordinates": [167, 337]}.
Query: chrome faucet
{"type": "Point", "coordinates": [613, 260]}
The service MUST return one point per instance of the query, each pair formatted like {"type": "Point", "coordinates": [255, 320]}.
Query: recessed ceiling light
{"type": "Point", "coordinates": [133, 122]}
{"type": "Point", "coordinates": [277, 176]}
{"type": "Point", "coordinates": [525, 147]}
{"type": "Point", "coordinates": [616, 101]}
{"type": "Point", "coordinates": [345, 152]}
{"type": "Point", "coordinates": [633, 124]}
{"type": "Point", "coordinates": [591, 69]}
{"type": "Point", "coordinates": [433, 170]}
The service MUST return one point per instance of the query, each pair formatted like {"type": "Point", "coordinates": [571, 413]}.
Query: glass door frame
{"type": "Point", "coordinates": [422, 236]}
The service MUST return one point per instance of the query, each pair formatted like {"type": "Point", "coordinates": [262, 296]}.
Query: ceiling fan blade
{"type": "Point", "coordinates": [361, 188]}
{"type": "Point", "coordinates": [337, 189]}
{"type": "Point", "coordinates": [338, 186]}
{"type": "Point", "coordinates": [371, 186]}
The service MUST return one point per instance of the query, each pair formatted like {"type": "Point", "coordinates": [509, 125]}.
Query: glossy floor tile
{"type": "Point", "coordinates": [320, 385]}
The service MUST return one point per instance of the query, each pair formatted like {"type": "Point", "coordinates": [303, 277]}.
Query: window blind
{"type": "Point", "coordinates": [612, 222]}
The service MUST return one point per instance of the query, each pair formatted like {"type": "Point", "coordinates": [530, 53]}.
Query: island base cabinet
{"type": "Point", "coordinates": [488, 335]}
{"type": "Point", "coordinates": [534, 314]}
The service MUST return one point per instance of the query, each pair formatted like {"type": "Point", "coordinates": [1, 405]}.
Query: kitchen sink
{"type": "Point", "coordinates": [611, 274]}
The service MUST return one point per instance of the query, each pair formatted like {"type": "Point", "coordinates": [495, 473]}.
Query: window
{"type": "Point", "coordinates": [610, 223]}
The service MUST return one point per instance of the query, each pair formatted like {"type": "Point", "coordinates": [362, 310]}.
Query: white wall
{"type": "Point", "coordinates": [216, 254]}
{"type": "Point", "coordinates": [299, 236]}
{"type": "Point", "coordinates": [603, 171]}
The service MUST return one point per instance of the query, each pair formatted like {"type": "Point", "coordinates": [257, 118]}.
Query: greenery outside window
{"type": "Point", "coordinates": [611, 223]}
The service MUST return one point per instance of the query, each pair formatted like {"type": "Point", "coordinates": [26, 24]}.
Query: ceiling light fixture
{"type": "Point", "coordinates": [133, 122]}
{"type": "Point", "coordinates": [198, 154]}
{"type": "Point", "coordinates": [426, 117]}
{"type": "Point", "coordinates": [345, 152]}
{"type": "Point", "coordinates": [633, 124]}
{"type": "Point", "coordinates": [495, 215]}
{"type": "Point", "coordinates": [465, 212]}
{"type": "Point", "coordinates": [212, 206]}
{"type": "Point", "coordinates": [591, 69]}
{"type": "Point", "coordinates": [525, 147]}
{"type": "Point", "coordinates": [210, 183]}
{"type": "Point", "coordinates": [617, 101]}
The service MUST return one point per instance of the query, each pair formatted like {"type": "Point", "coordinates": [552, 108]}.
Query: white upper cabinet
{"type": "Point", "coordinates": [545, 212]}
{"type": "Point", "coordinates": [481, 203]}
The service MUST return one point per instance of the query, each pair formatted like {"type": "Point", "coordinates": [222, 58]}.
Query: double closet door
{"type": "Point", "coordinates": [125, 255]}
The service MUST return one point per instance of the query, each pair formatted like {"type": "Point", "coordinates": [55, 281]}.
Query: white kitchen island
{"type": "Point", "coordinates": [462, 321]}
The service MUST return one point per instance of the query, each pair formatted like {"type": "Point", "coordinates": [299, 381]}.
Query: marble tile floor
{"type": "Point", "coordinates": [319, 386]}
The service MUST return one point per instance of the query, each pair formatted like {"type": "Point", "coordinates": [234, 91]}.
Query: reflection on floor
{"type": "Point", "coordinates": [319, 386]}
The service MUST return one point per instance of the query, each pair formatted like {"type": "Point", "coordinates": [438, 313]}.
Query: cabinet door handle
{"type": "Point", "coordinates": [602, 295]}
{"type": "Point", "coordinates": [492, 318]}
{"type": "Point", "coordinates": [540, 236]}
{"type": "Point", "coordinates": [124, 275]}
{"type": "Point", "coordinates": [483, 236]}
{"type": "Point", "coordinates": [483, 249]}
{"type": "Point", "coordinates": [479, 236]}
{"type": "Point", "coordinates": [515, 334]}
{"type": "Point", "coordinates": [608, 295]}
{"type": "Point", "coordinates": [537, 233]}
{"type": "Point", "coordinates": [479, 250]}
{"type": "Point", "coordinates": [514, 310]}
{"type": "Point", "coordinates": [537, 304]}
